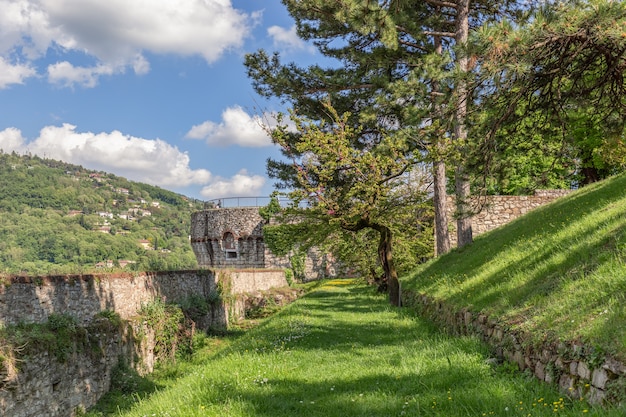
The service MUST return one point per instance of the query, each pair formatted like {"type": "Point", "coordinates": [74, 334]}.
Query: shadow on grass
{"type": "Point", "coordinates": [548, 268]}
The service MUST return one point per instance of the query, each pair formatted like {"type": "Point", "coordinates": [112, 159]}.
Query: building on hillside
{"type": "Point", "coordinates": [146, 244]}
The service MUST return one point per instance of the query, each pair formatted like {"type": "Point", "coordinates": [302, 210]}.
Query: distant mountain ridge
{"type": "Point", "coordinates": [57, 217]}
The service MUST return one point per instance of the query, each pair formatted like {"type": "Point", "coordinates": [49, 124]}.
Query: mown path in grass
{"type": "Point", "coordinates": [342, 351]}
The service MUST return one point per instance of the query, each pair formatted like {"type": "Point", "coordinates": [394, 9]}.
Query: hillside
{"type": "Point", "coordinates": [62, 218]}
{"type": "Point", "coordinates": [559, 272]}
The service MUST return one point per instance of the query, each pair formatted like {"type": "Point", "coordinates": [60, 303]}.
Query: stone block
{"type": "Point", "coordinates": [567, 383]}
{"type": "Point", "coordinates": [614, 366]}
{"type": "Point", "coordinates": [583, 371]}
{"type": "Point", "coordinates": [573, 368]}
{"type": "Point", "coordinates": [540, 371]}
{"type": "Point", "coordinates": [599, 378]}
{"type": "Point", "coordinates": [519, 359]}
{"type": "Point", "coordinates": [596, 396]}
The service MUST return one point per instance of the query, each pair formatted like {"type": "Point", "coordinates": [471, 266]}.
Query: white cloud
{"type": "Point", "coordinates": [240, 185]}
{"type": "Point", "coordinates": [117, 32]}
{"type": "Point", "coordinates": [14, 74]}
{"type": "Point", "coordinates": [66, 74]}
{"type": "Point", "coordinates": [287, 39]}
{"type": "Point", "coordinates": [11, 140]}
{"type": "Point", "coordinates": [152, 161]}
{"type": "Point", "coordinates": [236, 128]}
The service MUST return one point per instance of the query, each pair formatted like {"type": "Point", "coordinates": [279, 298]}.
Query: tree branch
{"type": "Point", "coordinates": [442, 34]}
{"type": "Point", "coordinates": [440, 3]}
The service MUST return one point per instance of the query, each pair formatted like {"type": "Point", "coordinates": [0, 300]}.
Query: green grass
{"type": "Point", "coordinates": [343, 351]}
{"type": "Point", "coordinates": [559, 271]}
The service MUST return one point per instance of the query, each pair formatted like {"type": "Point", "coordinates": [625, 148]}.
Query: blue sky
{"type": "Point", "coordinates": [151, 90]}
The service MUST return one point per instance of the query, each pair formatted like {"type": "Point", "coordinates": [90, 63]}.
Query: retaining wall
{"type": "Point", "coordinates": [579, 371]}
{"type": "Point", "coordinates": [497, 210]}
{"type": "Point", "coordinates": [45, 386]}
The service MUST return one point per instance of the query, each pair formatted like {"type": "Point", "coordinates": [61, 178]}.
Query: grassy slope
{"type": "Point", "coordinates": [343, 351]}
{"type": "Point", "coordinates": [559, 271]}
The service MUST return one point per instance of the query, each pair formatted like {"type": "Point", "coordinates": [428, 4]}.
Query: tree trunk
{"type": "Point", "coordinates": [440, 203]}
{"type": "Point", "coordinates": [442, 235]}
{"type": "Point", "coordinates": [386, 259]}
{"type": "Point", "coordinates": [462, 185]}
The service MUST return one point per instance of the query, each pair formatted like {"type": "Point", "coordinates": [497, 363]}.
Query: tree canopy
{"type": "Point", "coordinates": [347, 188]}
{"type": "Point", "coordinates": [565, 68]}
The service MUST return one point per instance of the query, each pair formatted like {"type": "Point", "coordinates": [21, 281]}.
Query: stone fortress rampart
{"type": "Point", "coordinates": [497, 210]}
{"type": "Point", "coordinates": [43, 385]}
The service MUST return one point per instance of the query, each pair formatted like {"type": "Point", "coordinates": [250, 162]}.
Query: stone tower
{"type": "Point", "coordinates": [228, 238]}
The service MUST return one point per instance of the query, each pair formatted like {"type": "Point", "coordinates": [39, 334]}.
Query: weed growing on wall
{"type": "Point", "coordinates": [298, 264]}
{"type": "Point", "coordinates": [167, 322]}
{"type": "Point", "coordinates": [195, 306]}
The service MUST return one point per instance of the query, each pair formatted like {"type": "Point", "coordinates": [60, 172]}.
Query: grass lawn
{"type": "Point", "coordinates": [343, 351]}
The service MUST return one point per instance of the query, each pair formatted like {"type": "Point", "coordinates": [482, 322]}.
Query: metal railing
{"type": "Point", "coordinates": [231, 202]}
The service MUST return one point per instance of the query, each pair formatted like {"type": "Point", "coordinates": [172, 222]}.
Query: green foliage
{"type": "Point", "coordinates": [347, 190]}
{"type": "Point", "coordinates": [272, 208]}
{"type": "Point", "coordinates": [560, 68]}
{"type": "Point", "coordinates": [195, 306]}
{"type": "Point", "coordinates": [60, 335]}
{"type": "Point", "coordinates": [167, 322]}
{"type": "Point", "coordinates": [39, 236]}
{"type": "Point", "coordinates": [298, 265]}
{"type": "Point", "coordinates": [289, 276]}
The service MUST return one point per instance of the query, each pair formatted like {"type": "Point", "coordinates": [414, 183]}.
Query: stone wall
{"type": "Point", "coordinates": [497, 210]}
{"type": "Point", "coordinates": [47, 386]}
{"type": "Point", "coordinates": [579, 371]}
{"type": "Point", "coordinates": [33, 299]}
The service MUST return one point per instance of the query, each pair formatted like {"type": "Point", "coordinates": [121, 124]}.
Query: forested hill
{"type": "Point", "coordinates": [61, 218]}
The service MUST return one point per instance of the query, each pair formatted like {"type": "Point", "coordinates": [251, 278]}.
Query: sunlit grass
{"type": "Point", "coordinates": [343, 351]}
{"type": "Point", "coordinates": [560, 268]}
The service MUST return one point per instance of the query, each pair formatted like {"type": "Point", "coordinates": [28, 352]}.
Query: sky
{"type": "Point", "coordinates": [151, 90]}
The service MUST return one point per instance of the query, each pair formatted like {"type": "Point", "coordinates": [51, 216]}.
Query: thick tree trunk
{"type": "Point", "coordinates": [386, 258]}
{"type": "Point", "coordinates": [462, 185]}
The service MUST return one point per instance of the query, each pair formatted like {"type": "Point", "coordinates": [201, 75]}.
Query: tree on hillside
{"type": "Point", "coordinates": [345, 187]}
{"type": "Point", "coordinates": [568, 66]}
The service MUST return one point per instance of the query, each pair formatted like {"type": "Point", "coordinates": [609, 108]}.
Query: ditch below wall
{"type": "Point", "coordinates": [579, 371]}
{"type": "Point", "coordinates": [42, 385]}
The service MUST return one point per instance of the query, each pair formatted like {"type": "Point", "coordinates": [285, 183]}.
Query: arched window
{"type": "Point", "coordinates": [228, 241]}
{"type": "Point", "coordinates": [229, 245]}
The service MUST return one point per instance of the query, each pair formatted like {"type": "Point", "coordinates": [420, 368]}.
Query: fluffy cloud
{"type": "Point", "coordinates": [116, 32]}
{"type": "Point", "coordinates": [240, 185]}
{"type": "Point", "coordinates": [67, 75]}
{"type": "Point", "coordinates": [236, 128]}
{"type": "Point", "coordinates": [14, 74]}
{"type": "Point", "coordinates": [287, 39]}
{"type": "Point", "coordinates": [151, 161]}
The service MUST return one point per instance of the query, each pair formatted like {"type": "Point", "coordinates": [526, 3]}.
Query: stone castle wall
{"type": "Point", "coordinates": [47, 386]}
{"type": "Point", "coordinates": [497, 210]}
